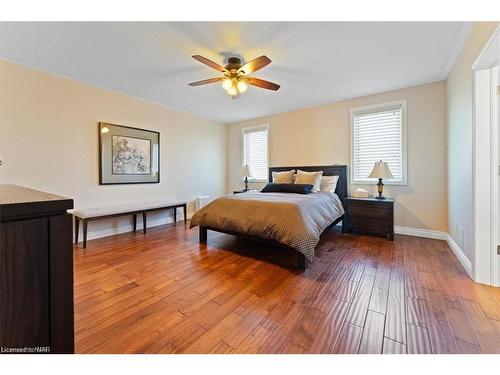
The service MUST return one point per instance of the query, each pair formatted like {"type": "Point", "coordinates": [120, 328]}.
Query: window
{"type": "Point", "coordinates": [255, 151]}
{"type": "Point", "coordinates": [378, 132]}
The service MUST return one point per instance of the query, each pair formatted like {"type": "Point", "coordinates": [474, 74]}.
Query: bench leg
{"type": "Point", "coordinates": [85, 226]}
{"type": "Point", "coordinates": [144, 224]}
{"type": "Point", "coordinates": [203, 234]}
{"type": "Point", "coordinates": [185, 213]}
{"type": "Point", "coordinates": [135, 222]}
{"type": "Point", "coordinates": [175, 215]}
{"type": "Point", "coordinates": [77, 229]}
{"type": "Point", "coordinates": [302, 262]}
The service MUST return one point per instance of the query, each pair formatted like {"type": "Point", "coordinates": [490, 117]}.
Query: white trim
{"type": "Point", "coordinates": [417, 232]}
{"type": "Point", "coordinates": [476, 65]}
{"type": "Point", "coordinates": [494, 176]}
{"type": "Point", "coordinates": [404, 139]}
{"type": "Point", "coordinates": [457, 48]}
{"type": "Point", "coordinates": [486, 262]}
{"type": "Point", "coordinates": [248, 129]}
{"type": "Point", "coordinates": [462, 258]}
{"type": "Point", "coordinates": [495, 138]}
{"type": "Point", "coordinates": [482, 176]}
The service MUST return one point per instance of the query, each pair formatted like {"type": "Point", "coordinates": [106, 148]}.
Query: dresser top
{"type": "Point", "coordinates": [371, 199]}
{"type": "Point", "coordinates": [10, 194]}
{"type": "Point", "coordinates": [18, 202]}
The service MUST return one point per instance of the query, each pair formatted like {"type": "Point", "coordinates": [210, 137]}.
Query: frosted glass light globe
{"type": "Point", "coordinates": [242, 86]}
{"type": "Point", "coordinates": [227, 84]}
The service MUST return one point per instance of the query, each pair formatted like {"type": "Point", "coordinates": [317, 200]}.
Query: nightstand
{"type": "Point", "coordinates": [370, 216]}
{"type": "Point", "coordinates": [243, 191]}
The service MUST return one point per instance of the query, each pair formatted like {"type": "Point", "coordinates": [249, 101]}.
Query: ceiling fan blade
{"type": "Point", "coordinates": [255, 64]}
{"type": "Point", "coordinates": [206, 81]}
{"type": "Point", "coordinates": [262, 83]}
{"type": "Point", "coordinates": [210, 63]}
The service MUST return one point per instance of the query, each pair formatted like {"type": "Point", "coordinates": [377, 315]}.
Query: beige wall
{"type": "Point", "coordinates": [460, 130]}
{"type": "Point", "coordinates": [53, 145]}
{"type": "Point", "coordinates": [49, 141]}
{"type": "Point", "coordinates": [320, 136]}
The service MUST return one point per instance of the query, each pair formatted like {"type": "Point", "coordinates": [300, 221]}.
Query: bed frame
{"type": "Point", "coordinates": [341, 191]}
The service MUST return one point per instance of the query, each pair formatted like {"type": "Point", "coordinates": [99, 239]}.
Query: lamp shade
{"type": "Point", "coordinates": [246, 171]}
{"type": "Point", "coordinates": [381, 170]}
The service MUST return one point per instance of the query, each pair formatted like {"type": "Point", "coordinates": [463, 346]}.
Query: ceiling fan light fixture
{"type": "Point", "coordinates": [233, 91]}
{"type": "Point", "coordinates": [235, 78]}
{"type": "Point", "coordinates": [227, 83]}
{"type": "Point", "coordinates": [242, 86]}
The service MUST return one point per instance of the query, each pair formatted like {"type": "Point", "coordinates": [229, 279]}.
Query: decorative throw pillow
{"type": "Point", "coordinates": [312, 178]}
{"type": "Point", "coordinates": [329, 184]}
{"type": "Point", "coordinates": [283, 177]}
{"type": "Point", "coordinates": [287, 188]}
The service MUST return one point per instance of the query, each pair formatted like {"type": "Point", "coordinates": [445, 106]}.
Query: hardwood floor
{"type": "Point", "coordinates": [165, 293]}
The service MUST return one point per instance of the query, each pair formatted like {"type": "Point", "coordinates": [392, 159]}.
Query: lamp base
{"type": "Point", "coordinates": [380, 189]}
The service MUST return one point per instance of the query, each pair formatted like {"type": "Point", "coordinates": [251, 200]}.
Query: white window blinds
{"type": "Point", "coordinates": [378, 134]}
{"type": "Point", "coordinates": [255, 148]}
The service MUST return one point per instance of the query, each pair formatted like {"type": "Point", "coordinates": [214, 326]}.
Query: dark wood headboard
{"type": "Point", "coordinates": [328, 170]}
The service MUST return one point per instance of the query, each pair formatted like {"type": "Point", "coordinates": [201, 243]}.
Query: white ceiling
{"type": "Point", "coordinates": [314, 62]}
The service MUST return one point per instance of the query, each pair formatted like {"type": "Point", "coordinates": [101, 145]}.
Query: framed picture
{"type": "Point", "coordinates": [128, 155]}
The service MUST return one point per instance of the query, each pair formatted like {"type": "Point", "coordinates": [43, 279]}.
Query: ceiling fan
{"type": "Point", "coordinates": [235, 79]}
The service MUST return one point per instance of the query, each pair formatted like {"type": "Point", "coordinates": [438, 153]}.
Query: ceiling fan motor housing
{"type": "Point", "coordinates": [234, 63]}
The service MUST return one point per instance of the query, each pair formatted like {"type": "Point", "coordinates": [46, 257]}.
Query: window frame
{"type": "Point", "coordinates": [242, 141]}
{"type": "Point", "coordinates": [404, 142]}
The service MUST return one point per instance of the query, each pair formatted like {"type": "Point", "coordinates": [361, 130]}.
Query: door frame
{"type": "Point", "coordinates": [486, 164]}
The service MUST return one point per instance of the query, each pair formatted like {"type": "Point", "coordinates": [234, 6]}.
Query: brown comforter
{"type": "Point", "coordinates": [294, 220]}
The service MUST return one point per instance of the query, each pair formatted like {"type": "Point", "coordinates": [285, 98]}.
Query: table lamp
{"type": "Point", "coordinates": [380, 170]}
{"type": "Point", "coordinates": [246, 173]}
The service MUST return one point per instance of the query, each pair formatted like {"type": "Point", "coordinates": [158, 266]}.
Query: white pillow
{"type": "Point", "coordinates": [283, 177]}
{"type": "Point", "coordinates": [329, 184]}
{"type": "Point", "coordinates": [309, 178]}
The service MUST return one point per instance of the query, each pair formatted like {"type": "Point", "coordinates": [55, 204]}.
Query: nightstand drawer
{"type": "Point", "coordinates": [370, 216]}
{"type": "Point", "coordinates": [368, 211]}
{"type": "Point", "coordinates": [370, 225]}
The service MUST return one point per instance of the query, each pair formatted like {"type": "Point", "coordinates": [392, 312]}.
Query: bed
{"type": "Point", "coordinates": [294, 221]}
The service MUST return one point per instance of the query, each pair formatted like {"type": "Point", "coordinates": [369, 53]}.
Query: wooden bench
{"type": "Point", "coordinates": [91, 214]}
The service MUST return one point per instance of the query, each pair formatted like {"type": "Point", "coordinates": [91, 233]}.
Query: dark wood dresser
{"type": "Point", "coordinates": [36, 272]}
{"type": "Point", "coordinates": [370, 216]}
